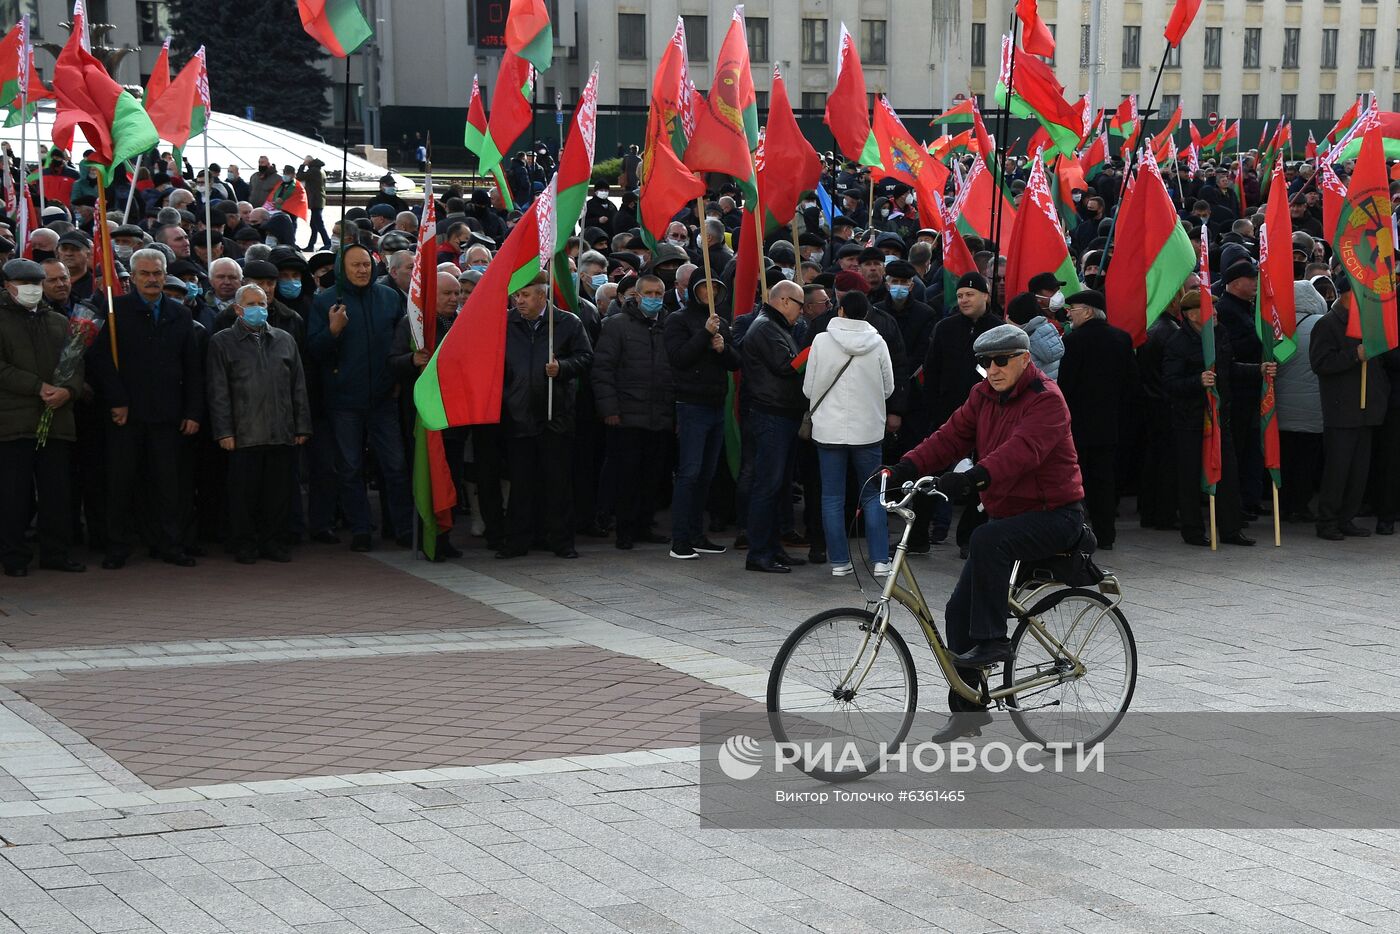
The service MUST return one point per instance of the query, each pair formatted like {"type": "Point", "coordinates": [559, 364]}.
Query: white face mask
{"type": "Point", "coordinates": [1057, 301]}
{"type": "Point", "coordinates": [787, 272]}
{"type": "Point", "coordinates": [29, 294]}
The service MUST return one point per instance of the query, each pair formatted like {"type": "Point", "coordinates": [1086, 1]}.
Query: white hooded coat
{"type": "Point", "coordinates": [853, 412]}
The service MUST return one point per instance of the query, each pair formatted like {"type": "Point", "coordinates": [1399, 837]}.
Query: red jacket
{"type": "Point", "coordinates": [1023, 441]}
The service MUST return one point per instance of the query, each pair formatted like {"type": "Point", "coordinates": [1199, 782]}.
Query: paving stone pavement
{"type": "Point", "coordinates": [114, 701]}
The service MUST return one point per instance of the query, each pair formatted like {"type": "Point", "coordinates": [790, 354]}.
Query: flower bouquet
{"type": "Point", "coordinates": [83, 327]}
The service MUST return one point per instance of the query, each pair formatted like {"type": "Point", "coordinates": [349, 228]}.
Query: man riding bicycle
{"type": "Point", "coordinates": [1027, 475]}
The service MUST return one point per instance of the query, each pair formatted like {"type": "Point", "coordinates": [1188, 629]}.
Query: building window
{"type": "Point", "coordinates": [632, 97]}
{"type": "Point", "coordinates": [1329, 48]}
{"type": "Point", "coordinates": [1249, 106]}
{"type": "Point", "coordinates": [1085, 47]}
{"type": "Point", "coordinates": [981, 100]}
{"type": "Point", "coordinates": [632, 36]}
{"type": "Point", "coordinates": [1290, 47]}
{"type": "Point", "coordinates": [813, 100]}
{"type": "Point", "coordinates": [1169, 104]}
{"type": "Point", "coordinates": [1174, 57]}
{"type": "Point", "coordinates": [1212, 47]}
{"type": "Point", "coordinates": [978, 57]}
{"type": "Point", "coordinates": [814, 42]}
{"type": "Point", "coordinates": [872, 41]}
{"type": "Point", "coordinates": [1395, 102]}
{"type": "Point", "coordinates": [1251, 47]}
{"type": "Point", "coordinates": [1132, 36]}
{"type": "Point", "coordinates": [1210, 104]}
{"type": "Point", "coordinates": [1288, 106]}
{"type": "Point", "coordinates": [1366, 52]}
{"type": "Point", "coordinates": [760, 101]}
{"type": "Point", "coordinates": [757, 27]}
{"type": "Point", "coordinates": [1397, 48]}
{"type": "Point", "coordinates": [154, 19]}
{"type": "Point", "coordinates": [697, 38]}
{"type": "Point", "coordinates": [1326, 104]}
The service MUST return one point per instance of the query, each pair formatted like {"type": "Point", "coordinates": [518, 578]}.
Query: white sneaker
{"type": "Point", "coordinates": [882, 569]}
{"type": "Point", "coordinates": [842, 570]}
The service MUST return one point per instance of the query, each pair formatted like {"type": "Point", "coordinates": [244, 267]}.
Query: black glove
{"type": "Point", "coordinates": [902, 473]}
{"type": "Point", "coordinates": [959, 487]}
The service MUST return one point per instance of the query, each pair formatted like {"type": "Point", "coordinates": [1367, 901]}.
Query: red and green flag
{"type": "Point", "coordinates": [529, 32]}
{"type": "Point", "coordinates": [422, 282]}
{"type": "Point", "coordinates": [511, 111]}
{"type": "Point", "coordinates": [790, 165]}
{"type": "Point", "coordinates": [463, 381]}
{"type": "Point", "coordinates": [726, 127]}
{"type": "Point", "coordinates": [1068, 178]}
{"type": "Point", "coordinates": [1183, 12]}
{"type": "Point", "coordinates": [160, 76]}
{"type": "Point", "coordinates": [1344, 123]}
{"type": "Point", "coordinates": [1124, 124]}
{"type": "Point", "coordinates": [1211, 461]}
{"type": "Point", "coordinates": [1386, 123]}
{"type": "Point", "coordinates": [847, 113]}
{"type": "Point", "coordinates": [113, 122]}
{"type": "Point", "coordinates": [575, 171]}
{"type": "Point", "coordinates": [1363, 243]}
{"type": "Point", "coordinates": [338, 25]}
{"type": "Point", "coordinates": [1033, 91]}
{"type": "Point", "coordinates": [1094, 158]}
{"type": "Point", "coordinates": [667, 185]}
{"type": "Point", "coordinates": [973, 208]}
{"type": "Point", "coordinates": [1037, 242]}
{"type": "Point", "coordinates": [1152, 256]}
{"type": "Point", "coordinates": [434, 490]}
{"type": "Point", "coordinates": [20, 86]}
{"type": "Point", "coordinates": [181, 111]}
{"type": "Point", "coordinates": [957, 262]}
{"type": "Point", "coordinates": [1334, 193]}
{"type": "Point", "coordinates": [946, 147]}
{"type": "Point", "coordinates": [474, 138]}
{"type": "Point", "coordinates": [962, 113]}
{"type": "Point", "coordinates": [1310, 150]}
{"type": "Point", "coordinates": [1275, 317]}
{"type": "Point", "coordinates": [906, 160]}
{"type": "Point", "coordinates": [1159, 140]}
{"type": "Point", "coordinates": [1036, 37]}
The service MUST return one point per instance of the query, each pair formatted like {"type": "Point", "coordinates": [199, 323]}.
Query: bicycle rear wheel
{"type": "Point", "coordinates": [1080, 710]}
{"type": "Point", "coordinates": [842, 691]}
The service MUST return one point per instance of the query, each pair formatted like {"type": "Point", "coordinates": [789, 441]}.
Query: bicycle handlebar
{"type": "Point", "coordinates": [910, 489]}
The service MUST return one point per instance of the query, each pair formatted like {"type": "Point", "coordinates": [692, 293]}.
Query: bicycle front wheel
{"type": "Point", "coordinates": [1082, 710]}
{"type": "Point", "coordinates": [844, 692]}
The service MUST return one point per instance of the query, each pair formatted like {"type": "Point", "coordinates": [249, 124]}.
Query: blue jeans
{"type": "Point", "coordinates": [773, 436]}
{"type": "Point", "coordinates": [865, 460]}
{"type": "Point", "coordinates": [699, 437]}
{"type": "Point", "coordinates": [379, 429]}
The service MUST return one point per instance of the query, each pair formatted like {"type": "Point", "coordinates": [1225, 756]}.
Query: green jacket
{"type": "Point", "coordinates": [30, 344]}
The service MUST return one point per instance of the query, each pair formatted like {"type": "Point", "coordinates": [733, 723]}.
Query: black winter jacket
{"type": "Point", "coordinates": [950, 371]}
{"type": "Point", "coordinates": [1333, 358]}
{"type": "Point", "coordinates": [631, 372]}
{"type": "Point", "coordinates": [771, 383]}
{"type": "Point", "coordinates": [699, 375]}
{"type": "Point", "coordinates": [525, 400]}
{"type": "Point", "coordinates": [1098, 376]}
{"type": "Point", "coordinates": [160, 371]}
{"type": "Point", "coordinates": [1182, 366]}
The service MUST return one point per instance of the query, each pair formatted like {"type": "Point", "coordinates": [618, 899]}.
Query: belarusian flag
{"type": "Point", "coordinates": [290, 198]}
{"type": "Point", "coordinates": [973, 207]}
{"type": "Point", "coordinates": [1211, 462]}
{"type": "Point", "coordinates": [462, 383]}
{"type": "Point", "coordinates": [338, 25]}
{"type": "Point", "coordinates": [529, 33]}
{"type": "Point", "coordinates": [1275, 318]}
{"type": "Point", "coordinates": [790, 166]}
{"type": "Point", "coordinates": [1180, 21]}
{"type": "Point", "coordinates": [1068, 178]}
{"type": "Point", "coordinates": [1310, 150]}
{"type": "Point", "coordinates": [1037, 242]}
{"type": "Point", "coordinates": [1343, 123]}
{"type": "Point", "coordinates": [1363, 243]}
{"type": "Point", "coordinates": [846, 113]}
{"type": "Point", "coordinates": [112, 121]}
{"type": "Point", "coordinates": [575, 170]}
{"type": "Point", "coordinates": [511, 110]}
{"type": "Point", "coordinates": [667, 185]}
{"type": "Point", "coordinates": [20, 85]}
{"type": "Point", "coordinates": [1159, 140]}
{"type": "Point", "coordinates": [422, 282]}
{"type": "Point", "coordinates": [1388, 125]}
{"type": "Point", "coordinates": [1124, 123]}
{"type": "Point", "coordinates": [1032, 90]}
{"type": "Point", "coordinates": [957, 262]}
{"type": "Point", "coordinates": [1152, 255]}
{"type": "Point", "coordinates": [474, 138]}
{"type": "Point", "coordinates": [1334, 193]}
{"type": "Point", "coordinates": [160, 76]}
{"type": "Point", "coordinates": [434, 491]}
{"type": "Point", "coordinates": [946, 147]}
{"type": "Point", "coordinates": [1093, 159]}
{"type": "Point", "coordinates": [906, 160]}
{"type": "Point", "coordinates": [960, 114]}
{"type": "Point", "coordinates": [1036, 37]}
{"type": "Point", "coordinates": [726, 128]}
{"type": "Point", "coordinates": [181, 111]}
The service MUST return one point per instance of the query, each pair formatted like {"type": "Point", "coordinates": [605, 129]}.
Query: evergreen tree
{"type": "Point", "coordinates": [258, 55]}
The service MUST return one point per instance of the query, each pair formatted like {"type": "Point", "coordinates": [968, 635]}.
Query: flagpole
{"type": "Point", "coordinates": [23, 190]}
{"type": "Point", "coordinates": [1004, 126]}
{"type": "Point", "coordinates": [1214, 532]}
{"type": "Point", "coordinates": [208, 210]}
{"type": "Point", "coordinates": [553, 272]}
{"type": "Point", "coordinates": [344, 152]}
{"type": "Point", "coordinates": [705, 252]}
{"type": "Point", "coordinates": [131, 190]}
{"type": "Point", "coordinates": [1278, 529]}
{"type": "Point", "coordinates": [796, 250]}
{"type": "Point", "coordinates": [104, 247]}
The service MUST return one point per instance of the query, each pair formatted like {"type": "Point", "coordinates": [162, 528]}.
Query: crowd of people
{"type": "Point", "coordinates": [248, 394]}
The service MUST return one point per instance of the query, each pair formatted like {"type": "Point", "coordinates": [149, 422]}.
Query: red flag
{"type": "Point", "coordinates": [957, 262]}
{"type": "Point", "coordinates": [846, 106]}
{"type": "Point", "coordinates": [1333, 194]}
{"type": "Point", "coordinates": [1276, 261]}
{"type": "Point", "coordinates": [1364, 246]}
{"type": "Point", "coordinates": [1035, 35]}
{"type": "Point", "coordinates": [1180, 20]}
{"type": "Point", "coordinates": [1345, 122]}
{"type": "Point", "coordinates": [667, 186]}
{"type": "Point", "coordinates": [723, 140]}
{"type": "Point", "coordinates": [1211, 461]}
{"type": "Point", "coordinates": [1151, 257]}
{"type": "Point", "coordinates": [1037, 241]}
{"type": "Point", "coordinates": [294, 202]}
{"type": "Point", "coordinates": [160, 77]}
{"type": "Point", "coordinates": [791, 165]}
{"type": "Point", "coordinates": [907, 161]}
{"type": "Point", "coordinates": [1310, 150]}
{"type": "Point", "coordinates": [747, 266]}
{"type": "Point", "coordinates": [973, 207]}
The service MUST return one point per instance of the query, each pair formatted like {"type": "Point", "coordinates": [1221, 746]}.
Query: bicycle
{"type": "Point", "coordinates": [854, 663]}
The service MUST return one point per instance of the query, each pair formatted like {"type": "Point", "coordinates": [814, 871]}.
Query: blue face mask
{"type": "Point", "coordinates": [599, 280]}
{"type": "Point", "coordinates": [651, 307]}
{"type": "Point", "coordinates": [478, 267]}
{"type": "Point", "coordinates": [683, 295]}
{"type": "Point", "coordinates": [193, 290]}
{"type": "Point", "coordinates": [899, 292]}
{"type": "Point", "coordinates": [289, 288]}
{"type": "Point", "coordinates": [574, 276]}
{"type": "Point", "coordinates": [255, 316]}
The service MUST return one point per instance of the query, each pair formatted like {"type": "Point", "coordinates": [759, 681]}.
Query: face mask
{"type": "Point", "coordinates": [286, 178]}
{"type": "Point", "coordinates": [598, 281]}
{"type": "Point", "coordinates": [651, 307]}
{"type": "Point", "coordinates": [676, 241]}
{"type": "Point", "coordinates": [255, 316]}
{"type": "Point", "coordinates": [899, 292]}
{"type": "Point", "coordinates": [787, 272]}
{"type": "Point", "coordinates": [41, 256]}
{"type": "Point", "coordinates": [477, 267]}
{"type": "Point", "coordinates": [1057, 301]}
{"type": "Point", "coordinates": [193, 290]}
{"type": "Point", "coordinates": [335, 245]}
{"type": "Point", "coordinates": [683, 295]}
{"type": "Point", "coordinates": [884, 212]}
{"type": "Point", "coordinates": [325, 282]}
{"type": "Point", "coordinates": [389, 189]}
{"type": "Point", "coordinates": [574, 276]}
{"type": "Point", "coordinates": [815, 257]}
{"type": "Point", "coordinates": [123, 252]}
{"type": "Point", "coordinates": [1077, 197]}
{"type": "Point", "coordinates": [289, 288]}
{"type": "Point", "coordinates": [29, 294]}
{"type": "Point", "coordinates": [890, 259]}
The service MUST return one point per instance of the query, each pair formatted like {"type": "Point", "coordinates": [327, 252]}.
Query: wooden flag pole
{"type": "Point", "coordinates": [131, 190]}
{"type": "Point", "coordinates": [705, 252]}
{"type": "Point", "coordinates": [1278, 529]}
{"type": "Point", "coordinates": [104, 259]}
{"type": "Point", "coordinates": [870, 205]}
{"type": "Point", "coordinates": [1214, 533]}
{"type": "Point", "coordinates": [758, 235]}
{"type": "Point", "coordinates": [796, 250]}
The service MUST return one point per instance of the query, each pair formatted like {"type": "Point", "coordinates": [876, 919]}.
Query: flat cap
{"type": "Point", "coordinates": [1091, 297]}
{"type": "Point", "coordinates": [259, 269]}
{"type": "Point", "coordinates": [1004, 338]}
{"type": "Point", "coordinates": [75, 238]}
{"type": "Point", "coordinates": [900, 269]}
{"type": "Point", "coordinates": [174, 282]}
{"type": "Point", "coordinates": [1242, 269]}
{"type": "Point", "coordinates": [1044, 280]}
{"type": "Point", "coordinates": [23, 270]}
{"type": "Point", "coordinates": [383, 210]}
{"type": "Point", "coordinates": [872, 254]}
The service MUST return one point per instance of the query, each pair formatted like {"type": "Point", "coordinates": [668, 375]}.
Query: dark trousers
{"type": "Point", "coordinates": [1098, 467]}
{"type": "Point", "coordinates": [699, 437]}
{"type": "Point", "coordinates": [1249, 452]}
{"type": "Point", "coordinates": [813, 489]}
{"type": "Point", "coordinates": [489, 467]}
{"type": "Point", "coordinates": [1188, 486]}
{"type": "Point", "coordinates": [322, 485]}
{"type": "Point", "coordinates": [318, 229]}
{"type": "Point", "coordinates": [89, 459]}
{"type": "Point", "coordinates": [638, 458]}
{"type": "Point", "coordinates": [773, 437]}
{"type": "Point", "coordinates": [1386, 479]}
{"type": "Point", "coordinates": [1300, 459]}
{"type": "Point", "coordinates": [1157, 479]}
{"type": "Point", "coordinates": [588, 457]}
{"type": "Point", "coordinates": [143, 463]}
{"type": "Point", "coordinates": [23, 469]}
{"type": "Point", "coordinates": [541, 498]}
{"type": "Point", "coordinates": [1346, 461]}
{"type": "Point", "coordinates": [259, 496]}
{"type": "Point", "coordinates": [743, 484]}
{"type": "Point", "coordinates": [379, 429]}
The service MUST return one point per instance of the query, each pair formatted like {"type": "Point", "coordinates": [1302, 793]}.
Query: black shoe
{"type": "Point", "coordinates": [1195, 540]}
{"type": "Point", "coordinates": [448, 550]}
{"type": "Point", "coordinates": [18, 570]}
{"type": "Point", "coordinates": [623, 544]}
{"type": "Point", "coordinates": [566, 553]}
{"type": "Point", "coordinates": [796, 540]}
{"type": "Point", "coordinates": [961, 724]}
{"type": "Point", "coordinates": [67, 565]}
{"type": "Point", "coordinates": [767, 567]}
{"type": "Point", "coordinates": [593, 530]}
{"type": "Point", "coordinates": [985, 652]}
{"type": "Point", "coordinates": [963, 552]}
{"type": "Point", "coordinates": [816, 556]}
{"type": "Point", "coordinates": [1352, 530]}
{"type": "Point", "coordinates": [246, 557]}
{"type": "Point", "coordinates": [114, 562]}
{"type": "Point", "coordinates": [918, 546]}
{"type": "Point", "coordinates": [506, 553]}
{"type": "Point", "coordinates": [782, 557]}
{"type": "Point", "coordinates": [707, 547]}
{"type": "Point", "coordinates": [683, 552]}
{"type": "Point", "coordinates": [1250, 515]}
{"type": "Point", "coordinates": [326, 537]}
{"type": "Point", "coordinates": [1331, 534]}
{"type": "Point", "coordinates": [1239, 538]}
{"type": "Point", "coordinates": [280, 555]}
{"type": "Point", "coordinates": [651, 538]}
{"type": "Point", "coordinates": [179, 559]}
{"type": "Point", "coordinates": [1385, 526]}
{"type": "Point", "coordinates": [361, 543]}
{"type": "Point", "coordinates": [741, 541]}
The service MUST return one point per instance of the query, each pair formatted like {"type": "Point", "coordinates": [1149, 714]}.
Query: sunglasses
{"type": "Point", "coordinates": [1001, 359]}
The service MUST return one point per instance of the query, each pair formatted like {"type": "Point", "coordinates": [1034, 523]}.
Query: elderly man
{"type": "Point", "coordinates": [225, 277]}
{"type": "Point", "coordinates": [538, 447]}
{"type": "Point", "coordinates": [43, 244]}
{"type": "Point", "coordinates": [265, 276]}
{"type": "Point", "coordinates": [258, 412]}
{"type": "Point", "coordinates": [75, 252]}
{"type": "Point", "coordinates": [58, 286]}
{"type": "Point", "coordinates": [154, 390]}
{"type": "Point", "coordinates": [349, 334]}
{"type": "Point", "coordinates": [1098, 376]}
{"type": "Point", "coordinates": [32, 335]}
{"type": "Point", "coordinates": [398, 272]}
